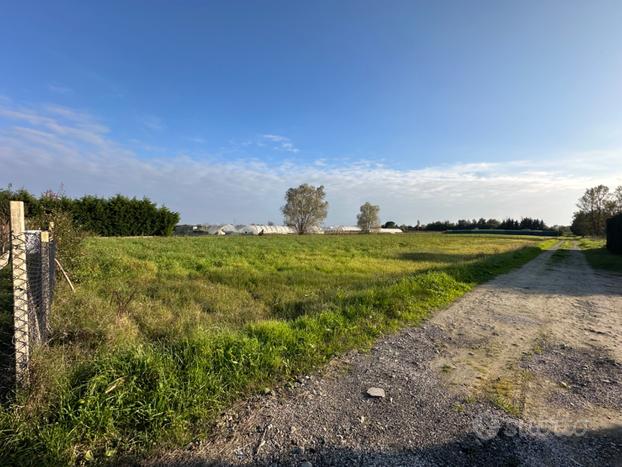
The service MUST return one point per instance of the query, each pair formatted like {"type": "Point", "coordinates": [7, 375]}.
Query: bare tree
{"type": "Point", "coordinates": [368, 218]}
{"type": "Point", "coordinates": [305, 207]}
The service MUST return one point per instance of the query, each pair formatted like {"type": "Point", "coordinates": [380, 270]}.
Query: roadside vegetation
{"type": "Point", "coordinates": [597, 204]}
{"type": "Point", "coordinates": [163, 333]}
{"type": "Point", "coordinates": [599, 257]}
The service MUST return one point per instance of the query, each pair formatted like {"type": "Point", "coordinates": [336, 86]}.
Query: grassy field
{"type": "Point", "coordinates": [599, 257]}
{"type": "Point", "coordinates": [163, 333]}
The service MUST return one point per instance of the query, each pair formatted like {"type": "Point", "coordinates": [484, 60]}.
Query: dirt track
{"type": "Point", "coordinates": [525, 370]}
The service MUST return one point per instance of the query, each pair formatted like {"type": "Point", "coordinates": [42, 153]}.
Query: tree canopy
{"type": "Point", "coordinates": [368, 217]}
{"type": "Point", "coordinates": [596, 205]}
{"type": "Point", "coordinates": [305, 207]}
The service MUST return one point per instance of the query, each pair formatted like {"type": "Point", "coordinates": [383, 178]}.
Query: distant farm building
{"type": "Point", "coordinates": [388, 231]}
{"type": "Point", "coordinates": [343, 229]}
{"type": "Point", "coordinates": [353, 229]}
{"type": "Point", "coordinates": [265, 229]}
{"type": "Point", "coordinates": [222, 229]}
{"type": "Point", "coordinates": [230, 229]}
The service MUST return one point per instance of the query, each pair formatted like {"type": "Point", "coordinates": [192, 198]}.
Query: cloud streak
{"type": "Point", "coordinates": [281, 143]}
{"type": "Point", "coordinates": [42, 147]}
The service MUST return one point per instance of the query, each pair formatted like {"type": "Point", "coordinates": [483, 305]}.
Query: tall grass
{"type": "Point", "coordinates": [162, 334]}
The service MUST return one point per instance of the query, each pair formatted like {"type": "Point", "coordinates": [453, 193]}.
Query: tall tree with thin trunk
{"type": "Point", "coordinates": [596, 203]}
{"type": "Point", "coordinates": [305, 207]}
{"type": "Point", "coordinates": [368, 218]}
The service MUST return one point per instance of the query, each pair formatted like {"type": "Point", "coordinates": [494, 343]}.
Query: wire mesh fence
{"type": "Point", "coordinates": [41, 272]}
{"type": "Point", "coordinates": [7, 350]}
{"type": "Point", "coordinates": [26, 289]}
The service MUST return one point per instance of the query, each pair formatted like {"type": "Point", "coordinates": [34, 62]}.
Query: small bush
{"type": "Point", "coordinates": [67, 235]}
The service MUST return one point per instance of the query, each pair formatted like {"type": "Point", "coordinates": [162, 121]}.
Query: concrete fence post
{"type": "Point", "coordinates": [20, 292]}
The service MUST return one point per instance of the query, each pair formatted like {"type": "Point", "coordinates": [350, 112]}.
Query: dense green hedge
{"type": "Point", "coordinates": [614, 234]}
{"type": "Point", "coordinates": [116, 216]}
{"type": "Point", "coordinates": [121, 216]}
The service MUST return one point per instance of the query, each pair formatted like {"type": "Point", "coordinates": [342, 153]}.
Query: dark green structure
{"type": "Point", "coordinates": [614, 234]}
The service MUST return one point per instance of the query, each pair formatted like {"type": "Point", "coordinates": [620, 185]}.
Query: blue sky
{"type": "Point", "coordinates": [433, 110]}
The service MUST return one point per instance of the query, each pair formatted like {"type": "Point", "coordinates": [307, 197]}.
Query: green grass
{"type": "Point", "coordinates": [599, 257]}
{"type": "Point", "coordinates": [163, 333]}
{"type": "Point", "coordinates": [508, 393]}
{"type": "Point", "coordinates": [562, 252]}
{"type": "Point", "coordinates": [559, 255]}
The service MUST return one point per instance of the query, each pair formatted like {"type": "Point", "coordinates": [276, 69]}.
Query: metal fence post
{"type": "Point", "coordinates": [20, 292]}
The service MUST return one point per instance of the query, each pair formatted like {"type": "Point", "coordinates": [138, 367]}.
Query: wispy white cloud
{"type": "Point", "coordinates": [275, 138]}
{"type": "Point", "coordinates": [45, 146]}
{"type": "Point", "coordinates": [282, 143]}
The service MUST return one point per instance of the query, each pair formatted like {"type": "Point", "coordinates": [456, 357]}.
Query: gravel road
{"type": "Point", "coordinates": [524, 370]}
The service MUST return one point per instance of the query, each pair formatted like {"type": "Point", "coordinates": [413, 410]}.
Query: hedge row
{"type": "Point", "coordinates": [614, 234]}
{"type": "Point", "coordinates": [115, 216]}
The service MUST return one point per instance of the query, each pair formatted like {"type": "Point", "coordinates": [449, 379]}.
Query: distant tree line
{"type": "Point", "coordinates": [597, 204]}
{"type": "Point", "coordinates": [115, 216]}
{"type": "Point", "coordinates": [526, 223]}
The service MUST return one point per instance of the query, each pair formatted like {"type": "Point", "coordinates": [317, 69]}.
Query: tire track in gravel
{"type": "Point", "coordinates": [524, 370]}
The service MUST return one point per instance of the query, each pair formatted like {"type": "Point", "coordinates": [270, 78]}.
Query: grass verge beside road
{"type": "Point", "coordinates": [599, 257]}
{"type": "Point", "coordinates": [165, 333]}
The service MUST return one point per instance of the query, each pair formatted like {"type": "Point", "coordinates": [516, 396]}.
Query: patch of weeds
{"type": "Point", "coordinates": [470, 399]}
{"type": "Point", "coordinates": [458, 407]}
{"type": "Point", "coordinates": [506, 404]}
{"type": "Point", "coordinates": [507, 392]}
{"type": "Point", "coordinates": [538, 347]}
